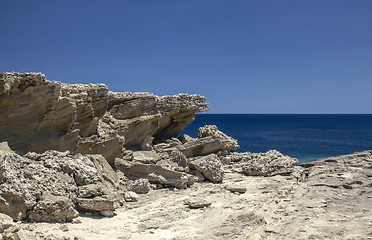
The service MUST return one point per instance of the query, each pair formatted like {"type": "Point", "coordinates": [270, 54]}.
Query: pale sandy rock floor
{"type": "Point", "coordinates": [162, 214]}
{"type": "Point", "coordinates": [272, 208]}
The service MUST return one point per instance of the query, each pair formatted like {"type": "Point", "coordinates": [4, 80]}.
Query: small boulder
{"type": "Point", "coordinates": [53, 208]}
{"type": "Point", "coordinates": [210, 166]}
{"type": "Point", "coordinates": [197, 202]}
{"type": "Point", "coordinates": [98, 203]}
{"type": "Point", "coordinates": [140, 186]}
{"type": "Point", "coordinates": [170, 178]}
{"type": "Point", "coordinates": [107, 213]}
{"type": "Point", "coordinates": [210, 140]}
{"type": "Point", "coordinates": [267, 164]}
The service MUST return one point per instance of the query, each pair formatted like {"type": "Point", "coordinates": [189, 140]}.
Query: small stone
{"type": "Point", "coordinates": [78, 238]}
{"type": "Point", "coordinates": [5, 222]}
{"type": "Point", "coordinates": [236, 188]}
{"type": "Point", "coordinates": [29, 227]}
{"type": "Point", "coordinates": [107, 213]}
{"type": "Point", "coordinates": [64, 228]}
{"type": "Point", "coordinates": [347, 186]}
{"type": "Point", "coordinates": [197, 202]}
{"type": "Point", "coordinates": [131, 196]}
{"type": "Point", "coordinates": [50, 237]}
{"type": "Point", "coordinates": [76, 221]}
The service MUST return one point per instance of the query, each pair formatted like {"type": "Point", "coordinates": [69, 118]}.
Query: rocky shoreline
{"type": "Point", "coordinates": [81, 162]}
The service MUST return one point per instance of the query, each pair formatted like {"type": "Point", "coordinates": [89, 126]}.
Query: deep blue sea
{"type": "Point", "coordinates": [304, 136]}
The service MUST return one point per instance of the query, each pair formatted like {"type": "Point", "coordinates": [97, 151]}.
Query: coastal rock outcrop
{"type": "Point", "coordinates": [39, 115]}
{"type": "Point", "coordinates": [261, 164]}
{"type": "Point", "coordinates": [43, 186]}
{"type": "Point", "coordinates": [83, 148]}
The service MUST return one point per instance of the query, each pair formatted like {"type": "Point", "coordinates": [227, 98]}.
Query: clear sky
{"type": "Point", "coordinates": [246, 56]}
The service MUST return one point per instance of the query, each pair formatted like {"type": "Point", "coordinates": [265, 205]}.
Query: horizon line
{"type": "Point", "coordinates": [291, 113]}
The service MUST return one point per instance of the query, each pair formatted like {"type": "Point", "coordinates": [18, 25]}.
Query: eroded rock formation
{"type": "Point", "coordinates": [39, 115]}
{"type": "Point", "coordinates": [67, 148]}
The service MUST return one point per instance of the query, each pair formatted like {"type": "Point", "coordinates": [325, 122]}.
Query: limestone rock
{"type": "Point", "coordinates": [27, 183]}
{"type": "Point", "coordinates": [145, 156]}
{"type": "Point", "coordinates": [177, 112]}
{"type": "Point", "coordinates": [53, 209]}
{"type": "Point", "coordinates": [159, 174]}
{"type": "Point", "coordinates": [184, 138]}
{"type": "Point", "coordinates": [263, 164]}
{"type": "Point", "coordinates": [210, 166]}
{"type": "Point", "coordinates": [197, 202]}
{"type": "Point", "coordinates": [23, 181]}
{"type": "Point", "coordinates": [5, 222]}
{"type": "Point", "coordinates": [140, 186]}
{"type": "Point", "coordinates": [16, 233]}
{"type": "Point", "coordinates": [172, 156]}
{"type": "Point", "coordinates": [56, 113]}
{"type": "Point", "coordinates": [107, 213]}
{"type": "Point", "coordinates": [91, 190]}
{"type": "Point", "coordinates": [210, 140]}
{"type": "Point", "coordinates": [80, 167]}
{"type": "Point", "coordinates": [88, 119]}
{"type": "Point", "coordinates": [64, 228]}
{"type": "Point", "coordinates": [131, 196]}
{"type": "Point", "coordinates": [98, 203]}
{"type": "Point", "coordinates": [236, 188]}
{"type": "Point", "coordinates": [322, 198]}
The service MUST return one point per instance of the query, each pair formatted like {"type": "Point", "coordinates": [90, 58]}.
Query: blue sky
{"type": "Point", "coordinates": [244, 56]}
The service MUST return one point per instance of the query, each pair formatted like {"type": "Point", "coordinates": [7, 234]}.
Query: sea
{"type": "Point", "coordinates": [306, 137]}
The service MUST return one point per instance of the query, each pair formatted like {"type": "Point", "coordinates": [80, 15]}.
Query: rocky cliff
{"type": "Point", "coordinates": [116, 160]}
{"type": "Point", "coordinates": [38, 115]}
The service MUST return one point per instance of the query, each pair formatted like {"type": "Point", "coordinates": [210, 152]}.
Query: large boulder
{"type": "Point", "coordinates": [80, 167]}
{"type": "Point", "coordinates": [23, 182]}
{"type": "Point", "coordinates": [42, 186]}
{"type": "Point", "coordinates": [210, 140]}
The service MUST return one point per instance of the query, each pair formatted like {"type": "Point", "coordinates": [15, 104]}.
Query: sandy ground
{"type": "Point", "coordinates": [162, 214]}
{"type": "Point", "coordinates": [277, 207]}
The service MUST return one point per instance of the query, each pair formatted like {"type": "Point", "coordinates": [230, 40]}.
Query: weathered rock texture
{"type": "Point", "coordinates": [43, 186]}
{"type": "Point", "coordinates": [210, 140]}
{"type": "Point", "coordinates": [38, 115]}
{"type": "Point", "coordinates": [210, 166]}
{"type": "Point", "coordinates": [326, 199]}
{"type": "Point", "coordinates": [82, 147]}
{"type": "Point", "coordinates": [261, 164]}
{"type": "Point", "coordinates": [52, 208]}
